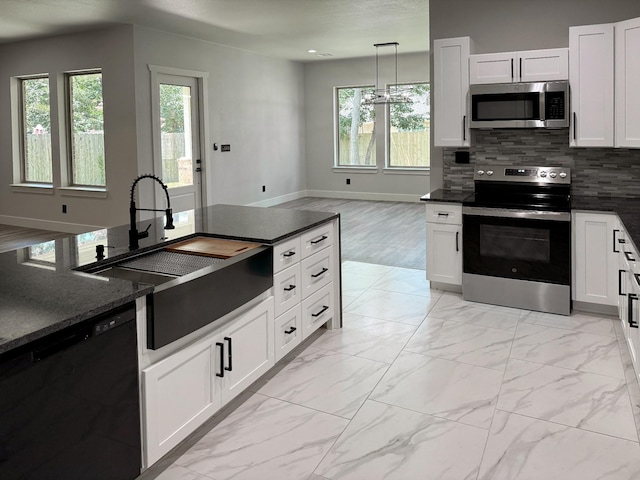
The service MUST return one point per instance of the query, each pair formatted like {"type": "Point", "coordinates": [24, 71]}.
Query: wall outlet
{"type": "Point", "coordinates": [264, 188]}
{"type": "Point", "coordinates": [64, 208]}
{"type": "Point", "coordinates": [348, 181]}
{"type": "Point", "coordinates": [225, 147]}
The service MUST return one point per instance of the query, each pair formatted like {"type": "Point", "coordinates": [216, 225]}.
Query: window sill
{"type": "Point", "coordinates": [45, 188]}
{"type": "Point", "coordinates": [355, 169]}
{"type": "Point", "coordinates": [406, 171]}
{"type": "Point", "coordinates": [94, 192]}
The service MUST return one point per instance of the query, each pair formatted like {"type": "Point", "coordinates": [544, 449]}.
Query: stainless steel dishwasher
{"type": "Point", "coordinates": [69, 403]}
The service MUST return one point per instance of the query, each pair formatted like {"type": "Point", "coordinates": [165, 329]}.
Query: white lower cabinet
{"type": "Point", "coordinates": [288, 331]}
{"type": "Point", "coordinates": [444, 243]}
{"type": "Point", "coordinates": [317, 310]}
{"type": "Point", "coordinates": [595, 258]}
{"type": "Point", "coordinates": [186, 388]}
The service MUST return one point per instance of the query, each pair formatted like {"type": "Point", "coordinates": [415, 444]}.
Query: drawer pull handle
{"type": "Point", "coordinates": [632, 322]}
{"type": "Point", "coordinates": [221, 345]}
{"type": "Point", "coordinates": [290, 331]}
{"type": "Point", "coordinates": [288, 254]}
{"type": "Point", "coordinates": [614, 240]}
{"type": "Point", "coordinates": [321, 239]}
{"type": "Point", "coordinates": [324, 309]}
{"type": "Point", "coordinates": [629, 256]}
{"type": "Point", "coordinates": [289, 288]}
{"type": "Point", "coordinates": [637, 277]}
{"type": "Point", "coordinates": [322, 272]}
{"type": "Point", "coordinates": [620, 272]}
{"type": "Point", "coordinates": [440, 214]}
{"type": "Point", "coordinates": [229, 355]}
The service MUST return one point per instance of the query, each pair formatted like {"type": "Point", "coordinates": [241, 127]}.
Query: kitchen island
{"type": "Point", "coordinates": [45, 292]}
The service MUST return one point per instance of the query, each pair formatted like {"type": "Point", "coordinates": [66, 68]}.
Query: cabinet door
{"type": "Point", "coordinates": [542, 65]}
{"type": "Point", "coordinates": [631, 321]}
{"type": "Point", "coordinates": [248, 349]}
{"type": "Point", "coordinates": [591, 79]}
{"type": "Point", "coordinates": [492, 68]}
{"type": "Point", "coordinates": [179, 394]}
{"type": "Point", "coordinates": [444, 253]}
{"type": "Point", "coordinates": [627, 71]}
{"type": "Point", "coordinates": [450, 91]}
{"type": "Point", "coordinates": [288, 331]}
{"type": "Point", "coordinates": [596, 263]}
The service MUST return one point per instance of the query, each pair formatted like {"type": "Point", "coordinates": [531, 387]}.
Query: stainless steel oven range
{"type": "Point", "coordinates": [516, 231]}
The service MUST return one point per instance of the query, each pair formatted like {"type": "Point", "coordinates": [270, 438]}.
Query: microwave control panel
{"type": "Point", "coordinates": [554, 105]}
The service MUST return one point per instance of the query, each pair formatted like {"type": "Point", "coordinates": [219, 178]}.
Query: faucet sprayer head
{"type": "Point", "coordinates": [169, 223]}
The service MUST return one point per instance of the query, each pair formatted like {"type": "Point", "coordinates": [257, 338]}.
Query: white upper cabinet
{"type": "Point", "coordinates": [450, 90]}
{"type": "Point", "coordinates": [591, 78]}
{"type": "Point", "coordinates": [627, 78]}
{"type": "Point", "coordinates": [527, 66]}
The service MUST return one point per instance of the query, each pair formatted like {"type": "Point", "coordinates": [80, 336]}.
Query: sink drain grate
{"type": "Point", "coordinates": [170, 263]}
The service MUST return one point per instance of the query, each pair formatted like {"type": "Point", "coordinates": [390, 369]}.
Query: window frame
{"type": "Point", "coordinates": [22, 133]}
{"type": "Point", "coordinates": [336, 134]}
{"type": "Point", "coordinates": [387, 161]}
{"type": "Point", "coordinates": [69, 186]}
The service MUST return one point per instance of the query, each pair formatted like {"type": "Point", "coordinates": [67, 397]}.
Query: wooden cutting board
{"type": "Point", "coordinates": [212, 247]}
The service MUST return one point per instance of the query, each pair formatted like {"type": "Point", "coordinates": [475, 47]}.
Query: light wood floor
{"type": "Point", "coordinates": [12, 238]}
{"type": "Point", "coordinates": [385, 233]}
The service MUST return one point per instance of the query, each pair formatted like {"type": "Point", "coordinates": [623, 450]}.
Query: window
{"type": "Point", "coordinates": [409, 129]}
{"type": "Point", "coordinates": [86, 129]}
{"type": "Point", "coordinates": [35, 131]}
{"type": "Point", "coordinates": [355, 129]}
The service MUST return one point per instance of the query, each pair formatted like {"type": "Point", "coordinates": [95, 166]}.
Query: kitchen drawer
{"type": "Point", "coordinates": [449, 213]}
{"type": "Point", "coordinates": [286, 254]}
{"type": "Point", "coordinates": [316, 271]}
{"type": "Point", "coordinates": [288, 288]}
{"type": "Point", "coordinates": [316, 239]}
{"type": "Point", "coordinates": [288, 331]}
{"type": "Point", "coordinates": [317, 310]}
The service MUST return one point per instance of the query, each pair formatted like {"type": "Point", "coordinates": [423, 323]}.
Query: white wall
{"type": "Point", "coordinates": [505, 26]}
{"type": "Point", "coordinates": [320, 78]}
{"type": "Point", "coordinates": [112, 51]}
{"type": "Point", "coordinates": [255, 105]}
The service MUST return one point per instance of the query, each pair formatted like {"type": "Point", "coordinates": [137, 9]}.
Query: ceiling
{"type": "Point", "coordinates": [279, 28]}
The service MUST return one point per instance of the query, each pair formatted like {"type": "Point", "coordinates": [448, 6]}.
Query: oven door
{"type": "Point", "coordinates": [518, 244]}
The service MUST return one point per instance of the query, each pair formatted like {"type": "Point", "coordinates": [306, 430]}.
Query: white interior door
{"type": "Point", "coordinates": [177, 140]}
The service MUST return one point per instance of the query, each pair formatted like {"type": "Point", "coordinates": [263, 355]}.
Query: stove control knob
{"type": "Point", "coordinates": [543, 174]}
{"type": "Point", "coordinates": [489, 172]}
{"type": "Point", "coordinates": [480, 172]}
{"type": "Point", "coordinates": [563, 174]}
{"type": "Point", "coordinates": [553, 174]}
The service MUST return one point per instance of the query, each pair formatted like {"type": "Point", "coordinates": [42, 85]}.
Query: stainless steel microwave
{"type": "Point", "coordinates": [519, 105]}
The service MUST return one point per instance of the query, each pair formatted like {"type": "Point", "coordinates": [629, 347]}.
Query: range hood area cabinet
{"type": "Point", "coordinates": [450, 91]}
{"type": "Point", "coordinates": [526, 66]}
{"type": "Point", "coordinates": [604, 75]}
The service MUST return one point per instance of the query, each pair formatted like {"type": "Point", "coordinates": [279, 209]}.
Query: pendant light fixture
{"type": "Point", "coordinates": [387, 93]}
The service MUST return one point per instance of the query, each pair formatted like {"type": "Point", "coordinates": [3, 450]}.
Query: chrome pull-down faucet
{"type": "Point", "coordinates": [134, 235]}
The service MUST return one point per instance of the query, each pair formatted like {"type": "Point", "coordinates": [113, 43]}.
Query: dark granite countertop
{"type": "Point", "coordinates": [446, 196]}
{"type": "Point", "coordinates": [40, 292]}
{"type": "Point", "coordinates": [627, 209]}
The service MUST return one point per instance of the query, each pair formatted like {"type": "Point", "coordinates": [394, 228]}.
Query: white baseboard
{"type": "Point", "coordinates": [384, 197]}
{"type": "Point", "coordinates": [47, 224]}
{"type": "Point", "coordinates": [270, 202]}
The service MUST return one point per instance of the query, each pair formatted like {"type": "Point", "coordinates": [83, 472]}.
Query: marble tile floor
{"type": "Point", "coordinates": [421, 384]}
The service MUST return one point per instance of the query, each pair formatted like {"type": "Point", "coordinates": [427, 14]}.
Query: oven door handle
{"type": "Point", "coordinates": [513, 213]}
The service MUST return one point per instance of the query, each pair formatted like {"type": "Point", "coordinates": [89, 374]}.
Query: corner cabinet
{"type": "Point", "coordinates": [525, 66]}
{"type": "Point", "coordinates": [444, 243]}
{"type": "Point", "coordinates": [450, 91]}
{"type": "Point", "coordinates": [627, 74]}
{"type": "Point", "coordinates": [591, 78]}
{"type": "Point", "coordinates": [595, 258]}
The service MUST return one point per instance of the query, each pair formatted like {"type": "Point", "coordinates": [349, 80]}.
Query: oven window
{"type": "Point", "coordinates": [516, 243]}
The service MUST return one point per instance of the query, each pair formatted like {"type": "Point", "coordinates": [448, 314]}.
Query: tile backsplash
{"type": "Point", "coordinates": [595, 171]}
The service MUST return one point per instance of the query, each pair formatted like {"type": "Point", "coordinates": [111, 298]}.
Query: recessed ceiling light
{"type": "Point", "coordinates": [312, 51]}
